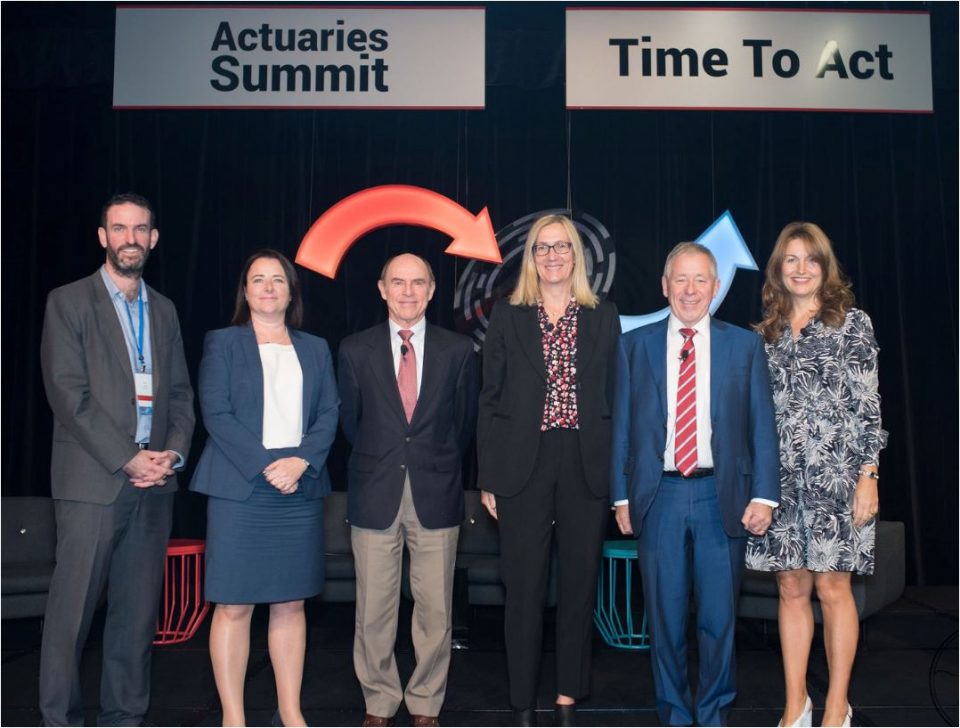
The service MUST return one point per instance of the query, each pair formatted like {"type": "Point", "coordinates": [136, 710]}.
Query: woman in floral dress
{"type": "Point", "coordinates": [823, 372]}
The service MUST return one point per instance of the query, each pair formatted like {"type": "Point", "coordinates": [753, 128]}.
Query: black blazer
{"type": "Point", "coordinates": [385, 446]}
{"type": "Point", "coordinates": [514, 391]}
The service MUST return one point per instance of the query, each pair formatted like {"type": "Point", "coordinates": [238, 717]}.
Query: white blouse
{"type": "Point", "coordinates": [282, 396]}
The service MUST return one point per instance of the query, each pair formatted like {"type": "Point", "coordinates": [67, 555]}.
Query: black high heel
{"type": "Point", "coordinates": [525, 717]}
{"type": "Point", "coordinates": [565, 715]}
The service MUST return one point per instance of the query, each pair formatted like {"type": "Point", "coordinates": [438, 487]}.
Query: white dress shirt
{"type": "Point", "coordinates": [419, 329]}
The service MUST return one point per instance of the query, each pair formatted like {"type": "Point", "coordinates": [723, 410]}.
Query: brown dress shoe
{"type": "Point", "coordinates": [377, 721]}
{"type": "Point", "coordinates": [424, 720]}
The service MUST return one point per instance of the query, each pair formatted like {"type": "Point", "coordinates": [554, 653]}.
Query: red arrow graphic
{"type": "Point", "coordinates": [325, 243]}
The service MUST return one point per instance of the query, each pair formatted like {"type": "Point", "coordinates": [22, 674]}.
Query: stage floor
{"type": "Point", "coordinates": [905, 675]}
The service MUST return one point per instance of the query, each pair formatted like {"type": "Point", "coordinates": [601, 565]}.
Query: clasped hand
{"type": "Point", "coordinates": [150, 467]}
{"type": "Point", "coordinates": [284, 474]}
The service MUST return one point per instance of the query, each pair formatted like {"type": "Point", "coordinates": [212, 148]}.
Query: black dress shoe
{"type": "Point", "coordinates": [565, 715]}
{"type": "Point", "coordinates": [525, 717]}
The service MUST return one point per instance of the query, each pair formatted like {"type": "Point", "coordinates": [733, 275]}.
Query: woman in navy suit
{"type": "Point", "coordinates": [269, 402]}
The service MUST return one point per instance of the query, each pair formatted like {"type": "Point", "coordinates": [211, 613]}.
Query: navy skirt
{"type": "Point", "coordinates": [268, 548]}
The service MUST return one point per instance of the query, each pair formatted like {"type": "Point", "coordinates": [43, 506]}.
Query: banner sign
{"type": "Point", "coordinates": [748, 59]}
{"type": "Point", "coordinates": [299, 57]}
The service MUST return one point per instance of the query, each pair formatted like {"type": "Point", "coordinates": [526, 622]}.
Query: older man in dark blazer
{"type": "Point", "coordinates": [695, 470]}
{"type": "Point", "coordinates": [117, 382]}
{"type": "Point", "coordinates": [408, 407]}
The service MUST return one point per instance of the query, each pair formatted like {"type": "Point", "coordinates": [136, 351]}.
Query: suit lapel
{"type": "Point", "coordinates": [432, 354]}
{"type": "Point", "coordinates": [110, 327]}
{"type": "Point", "coordinates": [309, 374]}
{"type": "Point", "coordinates": [527, 330]}
{"type": "Point", "coordinates": [586, 338]}
{"type": "Point", "coordinates": [383, 368]}
{"type": "Point", "coordinates": [657, 359]}
{"type": "Point", "coordinates": [719, 354]}
{"type": "Point", "coordinates": [251, 357]}
{"type": "Point", "coordinates": [157, 333]}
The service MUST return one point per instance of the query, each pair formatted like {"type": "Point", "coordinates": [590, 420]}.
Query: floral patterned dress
{"type": "Point", "coordinates": [828, 417]}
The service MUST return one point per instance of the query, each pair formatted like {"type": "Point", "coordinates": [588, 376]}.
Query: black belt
{"type": "Point", "coordinates": [697, 473]}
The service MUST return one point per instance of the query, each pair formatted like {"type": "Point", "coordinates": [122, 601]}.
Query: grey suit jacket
{"type": "Point", "coordinates": [90, 388]}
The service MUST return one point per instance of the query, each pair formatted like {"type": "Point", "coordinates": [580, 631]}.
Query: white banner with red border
{"type": "Point", "coordinates": [299, 57]}
{"type": "Point", "coordinates": [716, 58]}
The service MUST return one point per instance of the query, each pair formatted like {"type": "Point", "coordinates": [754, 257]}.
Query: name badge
{"type": "Point", "coordinates": [144, 385]}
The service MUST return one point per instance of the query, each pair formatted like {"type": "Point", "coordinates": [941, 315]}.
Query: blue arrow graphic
{"type": "Point", "coordinates": [724, 240]}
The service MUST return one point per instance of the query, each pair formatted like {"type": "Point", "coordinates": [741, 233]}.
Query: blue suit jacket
{"type": "Point", "coordinates": [744, 444]}
{"type": "Point", "coordinates": [231, 400]}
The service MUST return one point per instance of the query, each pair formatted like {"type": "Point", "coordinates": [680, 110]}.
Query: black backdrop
{"type": "Point", "coordinates": [883, 186]}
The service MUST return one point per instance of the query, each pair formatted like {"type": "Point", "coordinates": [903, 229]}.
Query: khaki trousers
{"type": "Point", "coordinates": [378, 557]}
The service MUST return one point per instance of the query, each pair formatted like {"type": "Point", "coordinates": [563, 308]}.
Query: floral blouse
{"type": "Point", "coordinates": [560, 358]}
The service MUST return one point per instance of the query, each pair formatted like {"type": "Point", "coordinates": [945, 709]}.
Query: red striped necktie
{"type": "Point", "coordinates": [685, 439]}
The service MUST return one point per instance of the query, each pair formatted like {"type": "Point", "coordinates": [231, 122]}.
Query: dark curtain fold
{"type": "Point", "coordinates": [884, 187]}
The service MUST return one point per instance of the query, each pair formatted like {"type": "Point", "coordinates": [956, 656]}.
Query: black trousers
{"type": "Point", "coordinates": [556, 502]}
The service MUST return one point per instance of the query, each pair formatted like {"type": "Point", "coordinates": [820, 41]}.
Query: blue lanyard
{"type": "Point", "coordinates": [137, 339]}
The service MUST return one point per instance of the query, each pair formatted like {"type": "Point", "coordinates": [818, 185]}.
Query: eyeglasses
{"type": "Point", "coordinates": [561, 248]}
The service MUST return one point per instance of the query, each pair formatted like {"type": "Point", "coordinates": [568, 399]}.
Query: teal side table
{"type": "Point", "coordinates": [613, 615]}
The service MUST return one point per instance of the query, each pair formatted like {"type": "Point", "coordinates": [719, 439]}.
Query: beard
{"type": "Point", "coordinates": [131, 270]}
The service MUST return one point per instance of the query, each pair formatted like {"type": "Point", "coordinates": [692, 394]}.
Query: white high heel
{"type": "Point", "coordinates": [805, 719]}
{"type": "Point", "coordinates": [849, 716]}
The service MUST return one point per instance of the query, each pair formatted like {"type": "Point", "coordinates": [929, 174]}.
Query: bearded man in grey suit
{"type": "Point", "coordinates": [117, 382]}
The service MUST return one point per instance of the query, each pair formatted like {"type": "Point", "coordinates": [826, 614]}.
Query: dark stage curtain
{"type": "Point", "coordinates": [224, 183]}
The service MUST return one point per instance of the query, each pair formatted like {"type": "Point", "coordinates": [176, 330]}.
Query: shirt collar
{"type": "Point", "coordinates": [114, 290]}
{"type": "Point", "coordinates": [674, 325]}
{"type": "Point", "coordinates": [418, 328]}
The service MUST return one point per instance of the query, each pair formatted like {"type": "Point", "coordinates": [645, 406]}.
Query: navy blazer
{"type": "Point", "coordinates": [230, 389]}
{"type": "Point", "coordinates": [745, 447]}
{"type": "Point", "coordinates": [386, 447]}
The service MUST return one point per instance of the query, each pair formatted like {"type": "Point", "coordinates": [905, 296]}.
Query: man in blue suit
{"type": "Point", "coordinates": [695, 471]}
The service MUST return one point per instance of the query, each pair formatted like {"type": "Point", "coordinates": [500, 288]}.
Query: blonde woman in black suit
{"type": "Point", "coordinates": [544, 448]}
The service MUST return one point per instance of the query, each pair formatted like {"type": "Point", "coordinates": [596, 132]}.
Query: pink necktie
{"type": "Point", "coordinates": [685, 441]}
{"type": "Point", "coordinates": [407, 374]}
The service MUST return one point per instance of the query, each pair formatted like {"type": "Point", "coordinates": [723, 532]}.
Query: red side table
{"type": "Point", "coordinates": [182, 607]}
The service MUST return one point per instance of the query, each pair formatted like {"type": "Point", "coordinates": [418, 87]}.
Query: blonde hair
{"type": "Point", "coordinates": [527, 290]}
{"type": "Point", "coordinates": [835, 296]}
